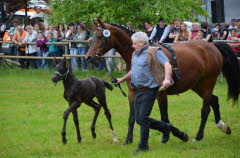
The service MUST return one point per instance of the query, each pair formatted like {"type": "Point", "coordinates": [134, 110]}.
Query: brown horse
{"type": "Point", "coordinates": [199, 65]}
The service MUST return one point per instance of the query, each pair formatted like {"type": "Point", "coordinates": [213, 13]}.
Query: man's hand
{"type": "Point", "coordinates": [166, 83]}
{"type": "Point", "coordinates": [119, 80]}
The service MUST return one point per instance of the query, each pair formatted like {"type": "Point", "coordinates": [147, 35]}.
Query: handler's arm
{"type": "Point", "coordinates": [124, 78]}
{"type": "Point", "coordinates": [168, 74]}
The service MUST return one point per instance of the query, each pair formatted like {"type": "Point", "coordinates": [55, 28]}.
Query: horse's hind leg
{"type": "Point", "coordinates": [76, 122]}
{"type": "Point", "coordinates": [107, 113]}
{"type": "Point", "coordinates": [219, 123]}
{"type": "Point", "coordinates": [97, 109]}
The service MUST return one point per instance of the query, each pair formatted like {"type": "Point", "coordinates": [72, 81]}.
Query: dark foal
{"type": "Point", "coordinates": [77, 92]}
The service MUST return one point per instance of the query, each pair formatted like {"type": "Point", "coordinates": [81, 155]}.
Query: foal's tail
{"type": "Point", "coordinates": [231, 70]}
{"type": "Point", "coordinates": [107, 85]}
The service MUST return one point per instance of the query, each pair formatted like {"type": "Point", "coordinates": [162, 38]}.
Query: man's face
{"type": "Point", "coordinates": [195, 26]}
{"type": "Point", "coordinates": [162, 23]}
{"type": "Point", "coordinates": [20, 29]}
{"type": "Point", "coordinates": [138, 45]}
{"type": "Point", "coordinates": [36, 27]}
{"type": "Point", "coordinates": [177, 23]}
{"type": "Point", "coordinates": [14, 24]}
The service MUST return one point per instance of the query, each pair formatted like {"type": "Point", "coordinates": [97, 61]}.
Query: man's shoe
{"type": "Point", "coordinates": [138, 151]}
{"type": "Point", "coordinates": [166, 135]}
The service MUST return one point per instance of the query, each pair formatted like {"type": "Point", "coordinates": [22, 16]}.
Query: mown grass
{"type": "Point", "coordinates": [31, 109]}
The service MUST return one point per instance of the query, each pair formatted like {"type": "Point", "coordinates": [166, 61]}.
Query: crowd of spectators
{"type": "Point", "coordinates": [176, 32]}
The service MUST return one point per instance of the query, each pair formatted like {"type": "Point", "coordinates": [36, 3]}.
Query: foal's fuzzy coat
{"type": "Point", "coordinates": [82, 91]}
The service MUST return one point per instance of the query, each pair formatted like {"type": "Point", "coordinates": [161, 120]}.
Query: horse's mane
{"type": "Point", "coordinates": [124, 28]}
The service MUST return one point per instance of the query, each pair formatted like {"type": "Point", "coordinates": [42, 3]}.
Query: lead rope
{"type": "Point", "coordinates": [113, 79]}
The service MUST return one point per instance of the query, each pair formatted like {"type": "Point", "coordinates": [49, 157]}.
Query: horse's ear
{"type": "Point", "coordinates": [101, 23]}
{"type": "Point", "coordinates": [55, 61]}
{"type": "Point", "coordinates": [95, 21]}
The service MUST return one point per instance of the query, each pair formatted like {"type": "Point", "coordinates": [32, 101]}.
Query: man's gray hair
{"type": "Point", "coordinates": [140, 37]}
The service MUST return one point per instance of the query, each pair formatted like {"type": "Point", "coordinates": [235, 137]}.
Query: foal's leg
{"type": "Point", "coordinates": [76, 122]}
{"type": "Point", "coordinates": [163, 106]}
{"type": "Point", "coordinates": [107, 113]}
{"type": "Point", "coordinates": [72, 106]}
{"type": "Point", "coordinates": [97, 109]}
{"type": "Point", "coordinates": [219, 123]}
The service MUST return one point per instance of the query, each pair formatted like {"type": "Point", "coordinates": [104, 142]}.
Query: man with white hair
{"type": "Point", "coordinates": [146, 89]}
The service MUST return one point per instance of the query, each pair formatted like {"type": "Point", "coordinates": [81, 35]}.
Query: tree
{"type": "Point", "coordinates": [121, 11]}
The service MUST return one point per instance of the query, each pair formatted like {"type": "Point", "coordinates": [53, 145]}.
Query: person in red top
{"type": "Point", "coordinates": [235, 46]}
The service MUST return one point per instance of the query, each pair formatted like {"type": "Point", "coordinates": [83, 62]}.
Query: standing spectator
{"type": "Point", "coordinates": [129, 25]}
{"type": "Point", "coordinates": [52, 48]}
{"type": "Point", "coordinates": [238, 27]}
{"type": "Point", "coordinates": [85, 25]}
{"type": "Point", "coordinates": [235, 46]}
{"type": "Point", "coordinates": [160, 32]}
{"type": "Point", "coordinates": [43, 29]}
{"type": "Point", "coordinates": [60, 36]}
{"type": "Point", "coordinates": [39, 52]}
{"type": "Point", "coordinates": [12, 47]}
{"type": "Point", "coordinates": [206, 32]}
{"type": "Point", "coordinates": [225, 31]}
{"type": "Point", "coordinates": [183, 35]}
{"type": "Point", "coordinates": [36, 28]}
{"type": "Point", "coordinates": [175, 30]}
{"type": "Point", "coordinates": [30, 50]}
{"type": "Point", "coordinates": [195, 30]}
{"type": "Point", "coordinates": [53, 31]}
{"type": "Point", "coordinates": [18, 37]}
{"type": "Point", "coordinates": [216, 34]}
{"type": "Point", "coordinates": [73, 47]}
{"type": "Point", "coordinates": [233, 24]}
{"type": "Point", "coordinates": [199, 36]}
{"type": "Point", "coordinates": [82, 47]}
{"type": "Point", "coordinates": [41, 43]}
{"type": "Point", "coordinates": [148, 28]}
{"type": "Point", "coordinates": [110, 62]}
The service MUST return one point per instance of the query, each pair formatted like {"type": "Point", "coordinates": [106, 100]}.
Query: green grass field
{"type": "Point", "coordinates": [31, 109]}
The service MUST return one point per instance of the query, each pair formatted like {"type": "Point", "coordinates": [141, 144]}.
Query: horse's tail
{"type": "Point", "coordinates": [107, 85]}
{"type": "Point", "coordinates": [230, 70]}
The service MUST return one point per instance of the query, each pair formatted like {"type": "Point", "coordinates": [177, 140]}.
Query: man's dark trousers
{"type": "Point", "coordinates": [143, 105]}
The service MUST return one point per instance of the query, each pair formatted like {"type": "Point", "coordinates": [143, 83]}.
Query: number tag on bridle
{"type": "Point", "coordinates": [106, 33]}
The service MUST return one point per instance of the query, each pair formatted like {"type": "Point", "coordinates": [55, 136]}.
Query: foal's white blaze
{"type": "Point", "coordinates": [114, 136]}
{"type": "Point", "coordinates": [222, 126]}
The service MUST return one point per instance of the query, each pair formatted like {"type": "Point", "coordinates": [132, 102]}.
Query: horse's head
{"type": "Point", "coordinates": [61, 71]}
{"type": "Point", "coordinates": [101, 40]}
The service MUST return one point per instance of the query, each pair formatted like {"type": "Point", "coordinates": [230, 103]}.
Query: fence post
{"type": "Point", "coordinates": [66, 49]}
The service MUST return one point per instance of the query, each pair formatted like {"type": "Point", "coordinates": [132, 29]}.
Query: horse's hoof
{"type": "Point", "coordinates": [127, 142]}
{"type": "Point", "coordinates": [228, 130]}
{"type": "Point", "coordinates": [185, 137]}
{"type": "Point", "coordinates": [79, 140]}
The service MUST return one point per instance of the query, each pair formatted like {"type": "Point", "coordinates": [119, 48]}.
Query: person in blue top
{"type": "Point", "coordinates": [146, 89]}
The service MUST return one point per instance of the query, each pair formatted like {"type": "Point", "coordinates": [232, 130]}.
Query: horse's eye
{"type": "Point", "coordinates": [99, 37]}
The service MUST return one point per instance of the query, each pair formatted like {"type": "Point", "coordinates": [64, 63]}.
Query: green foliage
{"type": "Point", "coordinates": [31, 110]}
{"type": "Point", "coordinates": [122, 11]}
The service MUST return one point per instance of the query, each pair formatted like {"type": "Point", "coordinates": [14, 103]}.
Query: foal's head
{"type": "Point", "coordinates": [61, 71]}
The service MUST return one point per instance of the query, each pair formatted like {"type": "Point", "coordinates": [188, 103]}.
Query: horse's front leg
{"type": "Point", "coordinates": [163, 106]}
{"type": "Point", "coordinates": [72, 106]}
{"type": "Point", "coordinates": [76, 122]}
{"type": "Point", "coordinates": [131, 118]}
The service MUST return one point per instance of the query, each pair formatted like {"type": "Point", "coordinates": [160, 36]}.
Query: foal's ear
{"type": "Point", "coordinates": [95, 21]}
{"type": "Point", "coordinates": [55, 61]}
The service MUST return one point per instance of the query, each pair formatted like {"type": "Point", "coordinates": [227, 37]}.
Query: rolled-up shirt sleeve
{"type": "Point", "coordinates": [153, 34]}
{"type": "Point", "coordinates": [166, 32]}
{"type": "Point", "coordinates": [162, 58]}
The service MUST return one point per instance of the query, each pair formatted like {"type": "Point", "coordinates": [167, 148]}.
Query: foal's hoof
{"type": "Point", "coordinates": [185, 137]}
{"type": "Point", "coordinates": [228, 130]}
{"type": "Point", "coordinates": [79, 140]}
{"type": "Point", "coordinates": [94, 135]}
{"type": "Point", "coordinates": [64, 140]}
